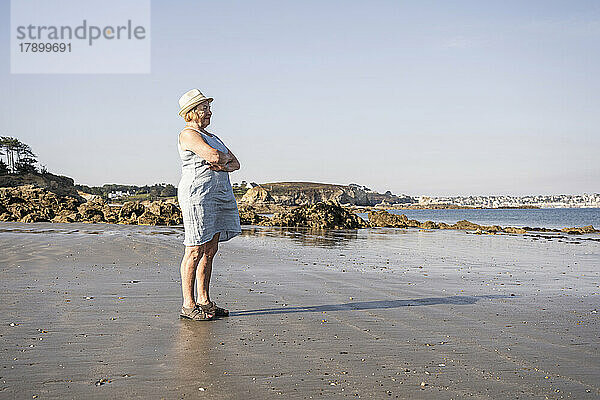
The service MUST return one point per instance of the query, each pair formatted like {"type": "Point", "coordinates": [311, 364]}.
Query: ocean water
{"type": "Point", "coordinates": [537, 217]}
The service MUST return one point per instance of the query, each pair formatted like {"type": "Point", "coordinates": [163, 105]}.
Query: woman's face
{"type": "Point", "coordinates": [205, 114]}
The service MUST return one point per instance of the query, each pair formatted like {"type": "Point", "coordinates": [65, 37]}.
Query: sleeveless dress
{"type": "Point", "coordinates": [206, 197]}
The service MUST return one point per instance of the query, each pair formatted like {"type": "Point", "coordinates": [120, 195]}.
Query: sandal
{"type": "Point", "coordinates": [212, 308]}
{"type": "Point", "coordinates": [196, 313]}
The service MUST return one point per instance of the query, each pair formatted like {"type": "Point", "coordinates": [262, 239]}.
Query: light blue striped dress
{"type": "Point", "coordinates": [206, 197]}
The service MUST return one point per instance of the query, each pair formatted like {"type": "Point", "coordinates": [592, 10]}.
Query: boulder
{"type": "Point", "coordinates": [248, 215]}
{"type": "Point", "coordinates": [92, 211]}
{"type": "Point", "coordinates": [492, 228]}
{"type": "Point", "coordinates": [257, 194]}
{"type": "Point", "coordinates": [429, 225]}
{"type": "Point", "coordinates": [65, 216]}
{"type": "Point", "coordinates": [130, 212]}
{"type": "Point", "coordinates": [148, 218]}
{"type": "Point", "coordinates": [385, 219]}
{"type": "Point", "coordinates": [111, 213]}
{"type": "Point", "coordinates": [322, 215]}
{"type": "Point", "coordinates": [466, 225]}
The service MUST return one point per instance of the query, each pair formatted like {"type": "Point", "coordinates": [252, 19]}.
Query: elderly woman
{"type": "Point", "coordinates": [208, 206]}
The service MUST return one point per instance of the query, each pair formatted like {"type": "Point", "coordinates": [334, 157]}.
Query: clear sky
{"type": "Point", "coordinates": [416, 97]}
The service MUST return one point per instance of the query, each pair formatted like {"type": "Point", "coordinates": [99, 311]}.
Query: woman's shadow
{"type": "Point", "coordinates": [370, 305]}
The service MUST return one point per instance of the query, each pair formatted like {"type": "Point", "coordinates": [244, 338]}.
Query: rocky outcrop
{"type": "Point", "coordinates": [580, 230]}
{"type": "Point", "coordinates": [510, 229]}
{"type": "Point", "coordinates": [33, 204]}
{"type": "Point", "coordinates": [131, 211]}
{"type": "Point", "coordinates": [323, 215]}
{"type": "Point", "coordinates": [386, 219]}
{"type": "Point", "coordinates": [256, 195]}
{"type": "Point", "coordinates": [249, 216]}
{"type": "Point", "coordinates": [57, 184]}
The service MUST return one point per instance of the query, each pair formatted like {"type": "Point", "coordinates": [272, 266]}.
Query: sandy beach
{"type": "Point", "coordinates": [91, 311]}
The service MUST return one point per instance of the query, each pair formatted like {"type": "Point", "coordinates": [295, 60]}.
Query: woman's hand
{"type": "Point", "coordinates": [220, 167]}
{"type": "Point", "coordinates": [232, 163]}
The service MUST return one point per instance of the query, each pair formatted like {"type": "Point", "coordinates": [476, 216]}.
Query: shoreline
{"type": "Point", "coordinates": [30, 204]}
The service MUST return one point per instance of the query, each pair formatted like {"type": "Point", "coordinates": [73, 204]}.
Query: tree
{"type": "Point", "coordinates": [168, 191]}
{"type": "Point", "coordinates": [19, 156]}
{"type": "Point", "coordinates": [25, 165]}
{"type": "Point", "coordinates": [3, 167]}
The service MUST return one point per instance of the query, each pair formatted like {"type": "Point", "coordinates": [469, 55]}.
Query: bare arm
{"type": "Point", "coordinates": [193, 141]}
{"type": "Point", "coordinates": [233, 163]}
{"type": "Point", "coordinates": [230, 166]}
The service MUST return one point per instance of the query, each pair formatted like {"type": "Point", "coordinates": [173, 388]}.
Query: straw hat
{"type": "Point", "coordinates": [190, 100]}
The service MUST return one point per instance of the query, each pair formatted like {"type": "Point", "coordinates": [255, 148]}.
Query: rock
{"type": "Point", "coordinates": [465, 225]}
{"type": "Point", "coordinates": [257, 194]}
{"type": "Point", "coordinates": [36, 217]}
{"type": "Point", "coordinates": [527, 228]}
{"type": "Point", "coordinates": [248, 215]}
{"type": "Point", "coordinates": [4, 217]}
{"type": "Point", "coordinates": [510, 229]}
{"type": "Point", "coordinates": [385, 219]}
{"type": "Point", "coordinates": [148, 218]}
{"type": "Point", "coordinates": [169, 212]}
{"type": "Point", "coordinates": [130, 212]}
{"type": "Point", "coordinates": [92, 211]}
{"type": "Point", "coordinates": [492, 228]}
{"type": "Point", "coordinates": [56, 184]}
{"type": "Point", "coordinates": [33, 204]}
{"type": "Point", "coordinates": [29, 203]}
{"type": "Point", "coordinates": [323, 215]}
{"type": "Point", "coordinates": [111, 213]}
{"type": "Point", "coordinates": [429, 225]}
{"type": "Point", "coordinates": [580, 230]}
{"type": "Point", "coordinates": [66, 216]}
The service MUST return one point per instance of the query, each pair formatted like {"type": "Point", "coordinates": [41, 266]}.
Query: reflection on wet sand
{"type": "Point", "coordinates": [193, 362]}
{"type": "Point", "coordinates": [201, 362]}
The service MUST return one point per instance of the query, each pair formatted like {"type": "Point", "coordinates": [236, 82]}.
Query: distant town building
{"type": "Point", "coordinates": [117, 194]}
{"type": "Point", "coordinates": [544, 201]}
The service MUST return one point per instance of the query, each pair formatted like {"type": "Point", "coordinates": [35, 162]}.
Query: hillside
{"type": "Point", "coordinates": [302, 193]}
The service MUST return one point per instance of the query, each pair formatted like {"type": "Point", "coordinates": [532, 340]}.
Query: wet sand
{"type": "Point", "coordinates": [91, 311]}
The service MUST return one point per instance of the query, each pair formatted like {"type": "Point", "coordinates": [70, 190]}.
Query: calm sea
{"type": "Point", "coordinates": [542, 217]}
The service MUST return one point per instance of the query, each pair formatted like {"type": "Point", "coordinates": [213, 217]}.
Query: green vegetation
{"type": "Point", "coordinates": [117, 192]}
{"type": "Point", "coordinates": [240, 189]}
{"type": "Point", "coordinates": [20, 159]}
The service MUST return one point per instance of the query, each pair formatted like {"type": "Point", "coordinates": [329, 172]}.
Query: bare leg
{"type": "Point", "coordinates": [205, 269]}
{"type": "Point", "coordinates": [189, 263]}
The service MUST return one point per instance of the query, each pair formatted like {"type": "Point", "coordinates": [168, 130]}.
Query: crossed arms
{"type": "Point", "coordinates": [219, 161]}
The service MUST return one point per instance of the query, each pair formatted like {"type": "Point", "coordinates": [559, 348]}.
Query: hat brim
{"type": "Point", "coordinates": [193, 103]}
